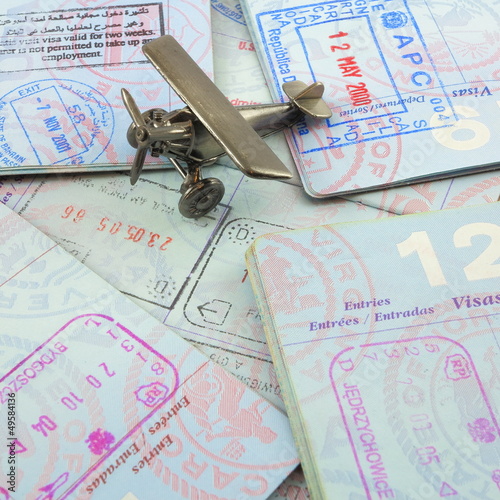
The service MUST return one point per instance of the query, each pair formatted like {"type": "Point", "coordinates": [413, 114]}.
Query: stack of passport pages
{"type": "Point", "coordinates": [384, 334]}
{"type": "Point", "coordinates": [385, 337]}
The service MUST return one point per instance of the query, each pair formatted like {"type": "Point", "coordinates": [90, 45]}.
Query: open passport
{"type": "Point", "coordinates": [63, 67]}
{"type": "Point", "coordinates": [385, 337]}
{"type": "Point", "coordinates": [413, 87]}
{"type": "Point", "coordinates": [100, 400]}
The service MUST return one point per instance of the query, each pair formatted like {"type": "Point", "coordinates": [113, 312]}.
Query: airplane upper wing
{"type": "Point", "coordinates": [241, 142]}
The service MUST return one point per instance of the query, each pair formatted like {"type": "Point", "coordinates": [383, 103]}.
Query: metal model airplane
{"type": "Point", "coordinates": [210, 127]}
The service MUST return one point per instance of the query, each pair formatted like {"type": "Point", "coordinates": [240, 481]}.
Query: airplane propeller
{"type": "Point", "coordinates": [199, 196]}
{"type": "Point", "coordinates": [144, 135]}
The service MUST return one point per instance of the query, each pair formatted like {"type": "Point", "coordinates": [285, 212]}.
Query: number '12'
{"type": "Point", "coordinates": [482, 267]}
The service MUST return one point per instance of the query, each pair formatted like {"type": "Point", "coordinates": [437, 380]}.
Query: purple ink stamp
{"type": "Point", "coordinates": [407, 405]}
{"type": "Point", "coordinates": [151, 394]}
{"type": "Point", "coordinates": [107, 362]}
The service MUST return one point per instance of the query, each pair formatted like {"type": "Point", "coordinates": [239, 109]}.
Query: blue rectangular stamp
{"type": "Point", "coordinates": [396, 75]}
{"type": "Point", "coordinates": [359, 48]}
{"type": "Point", "coordinates": [63, 71]}
{"type": "Point", "coordinates": [57, 117]}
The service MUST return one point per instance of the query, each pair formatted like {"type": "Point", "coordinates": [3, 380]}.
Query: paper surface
{"type": "Point", "coordinates": [191, 284]}
{"type": "Point", "coordinates": [239, 75]}
{"type": "Point", "coordinates": [190, 274]}
{"type": "Point", "coordinates": [386, 338]}
{"type": "Point", "coordinates": [108, 401]}
{"type": "Point", "coordinates": [404, 81]}
{"type": "Point", "coordinates": [63, 67]}
{"type": "Point", "coordinates": [447, 193]}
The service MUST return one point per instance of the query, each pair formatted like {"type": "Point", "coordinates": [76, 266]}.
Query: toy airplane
{"type": "Point", "coordinates": [210, 127]}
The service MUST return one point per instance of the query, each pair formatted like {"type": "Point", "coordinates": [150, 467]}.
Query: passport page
{"type": "Point", "coordinates": [386, 340]}
{"type": "Point", "coordinates": [239, 75]}
{"type": "Point", "coordinates": [460, 191]}
{"type": "Point", "coordinates": [105, 402]}
{"type": "Point", "coordinates": [400, 77]}
{"type": "Point", "coordinates": [63, 66]}
{"type": "Point", "coordinates": [188, 273]}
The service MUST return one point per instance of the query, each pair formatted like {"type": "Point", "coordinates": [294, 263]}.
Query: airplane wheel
{"type": "Point", "coordinates": [201, 198]}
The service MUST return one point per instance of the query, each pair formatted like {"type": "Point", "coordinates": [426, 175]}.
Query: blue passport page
{"type": "Point", "coordinates": [413, 87]}
{"type": "Point", "coordinates": [385, 337]}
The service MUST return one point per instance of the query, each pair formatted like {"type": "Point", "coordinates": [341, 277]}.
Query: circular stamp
{"type": "Point", "coordinates": [425, 387]}
{"type": "Point", "coordinates": [329, 280]}
{"type": "Point", "coordinates": [129, 368]}
{"type": "Point", "coordinates": [457, 34]}
{"type": "Point", "coordinates": [60, 392]}
{"type": "Point", "coordinates": [55, 122]}
{"type": "Point", "coordinates": [421, 398]}
{"type": "Point", "coordinates": [485, 187]}
{"type": "Point", "coordinates": [232, 12]}
{"type": "Point", "coordinates": [212, 419]}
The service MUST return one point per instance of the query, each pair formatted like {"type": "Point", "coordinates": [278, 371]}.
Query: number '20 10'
{"type": "Point", "coordinates": [482, 267]}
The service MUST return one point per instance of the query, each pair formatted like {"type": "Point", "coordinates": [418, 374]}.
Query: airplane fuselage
{"type": "Point", "coordinates": [264, 119]}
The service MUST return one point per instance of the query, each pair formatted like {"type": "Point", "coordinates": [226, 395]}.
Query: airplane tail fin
{"type": "Point", "coordinates": [308, 98]}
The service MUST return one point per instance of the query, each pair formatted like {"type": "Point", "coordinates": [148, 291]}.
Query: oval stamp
{"type": "Point", "coordinates": [201, 438]}
{"type": "Point", "coordinates": [404, 401]}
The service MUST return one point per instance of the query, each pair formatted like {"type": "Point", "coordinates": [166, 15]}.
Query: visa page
{"type": "Point", "coordinates": [190, 274]}
{"type": "Point", "coordinates": [386, 336]}
{"type": "Point", "coordinates": [63, 67]}
{"type": "Point", "coordinates": [239, 75]}
{"type": "Point", "coordinates": [400, 77]}
{"type": "Point", "coordinates": [106, 402]}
